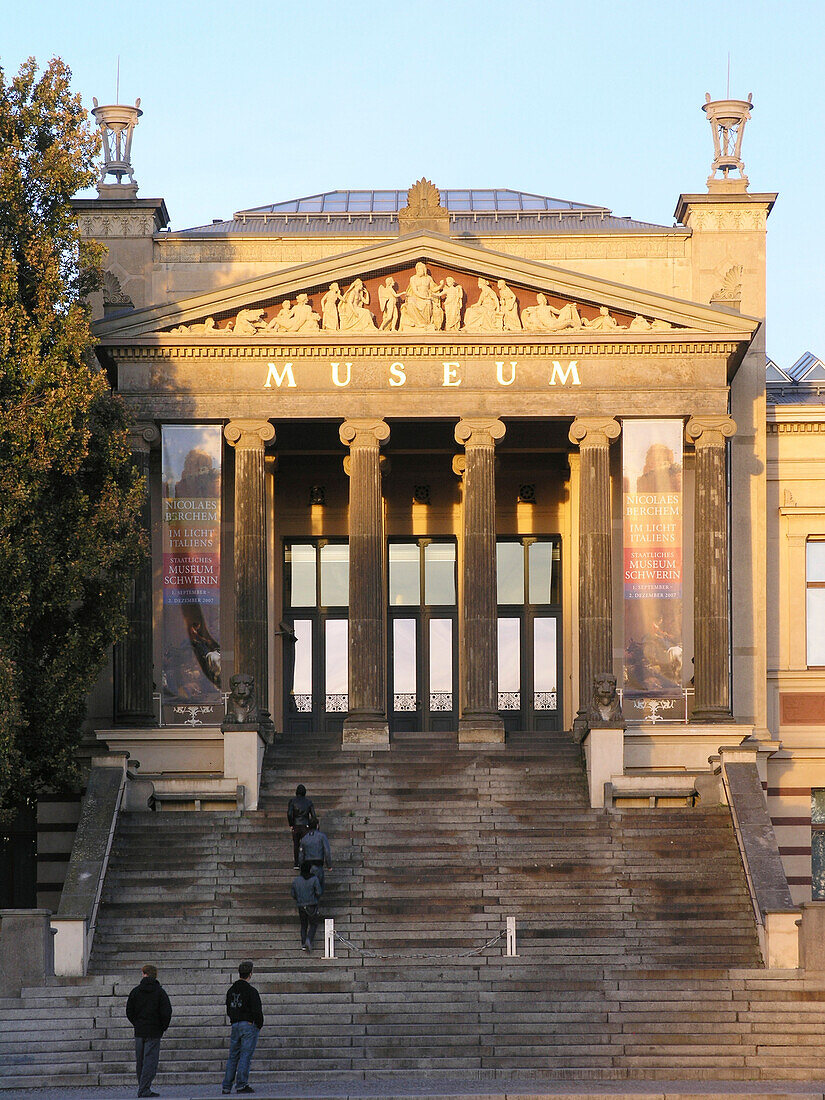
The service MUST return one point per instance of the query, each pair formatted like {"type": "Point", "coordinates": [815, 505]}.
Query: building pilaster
{"type": "Point", "coordinates": [366, 722]}
{"type": "Point", "coordinates": [593, 436]}
{"type": "Point", "coordinates": [249, 439]}
{"type": "Point", "coordinates": [480, 720]}
{"type": "Point", "coordinates": [711, 601]}
{"type": "Point", "coordinates": [133, 665]}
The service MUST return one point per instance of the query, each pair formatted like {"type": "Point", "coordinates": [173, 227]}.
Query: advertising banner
{"type": "Point", "coordinates": [652, 511]}
{"type": "Point", "coordinates": [191, 689]}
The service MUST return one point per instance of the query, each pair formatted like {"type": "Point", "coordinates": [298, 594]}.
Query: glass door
{"type": "Point", "coordinates": [423, 635]}
{"type": "Point", "coordinates": [315, 634]}
{"type": "Point", "coordinates": [528, 574]}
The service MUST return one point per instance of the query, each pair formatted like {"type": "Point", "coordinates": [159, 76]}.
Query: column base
{"type": "Point", "coordinates": [711, 716]}
{"type": "Point", "coordinates": [481, 729]}
{"type": "Point", "coordinates": [372, 733]}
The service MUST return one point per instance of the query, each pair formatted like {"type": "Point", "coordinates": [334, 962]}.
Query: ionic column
{"type": "Point", "coordinates": [593, 436]}
{"type": "Point", "coordinates": [133, 656]}
{"type": "Point", "coordinates": [480, 720]}
{"type": "Point", "coordinates": [711, 629]}
{"type": "Point", "coordinates": [249, 438]}
{"type": "Point", "coordinates": [366, 722]}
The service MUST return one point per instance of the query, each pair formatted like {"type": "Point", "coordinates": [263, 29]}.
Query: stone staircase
{"type": "Point", "coordinates": [637, 948]}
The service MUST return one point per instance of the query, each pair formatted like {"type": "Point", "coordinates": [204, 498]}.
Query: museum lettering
{"type": "Point", "coordinates": [451, 374]}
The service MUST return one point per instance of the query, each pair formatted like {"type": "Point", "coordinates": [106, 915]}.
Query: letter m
{"type": "Point", "coordinates": [279, 377]}
{"type": "Point", "coordinates": [563, 376]}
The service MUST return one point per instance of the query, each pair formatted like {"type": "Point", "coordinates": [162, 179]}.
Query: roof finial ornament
{"type": "Point", "coordinates": [424, 210]}
{"type": "Point", "coordinates": [117, 123]}
{"type": "Point", "coordinates": [727, 118]}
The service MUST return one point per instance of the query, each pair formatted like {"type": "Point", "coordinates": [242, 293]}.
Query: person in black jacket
{"type": "Point", "coordinates": [149, 1012]}
{"type": "Point", "coordinates": [243, 1007]}
{"type": "Point", "coordinates": [300, 813]}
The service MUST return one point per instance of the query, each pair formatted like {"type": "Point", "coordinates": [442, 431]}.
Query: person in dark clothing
{"type": "Point", "coordinates": [306, 890]}
{"type": "Point", "coordinates": [300, 813]}
{"type": "Point", "coordinates": [243, 1007]}
{"type": "Point", "coordinates": [149, 1012]}
{"type": "Point", "coordinates": [314, 850]}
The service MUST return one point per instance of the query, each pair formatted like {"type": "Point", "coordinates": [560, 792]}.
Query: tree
{"type": "Point", "coordinates": [70, 538]}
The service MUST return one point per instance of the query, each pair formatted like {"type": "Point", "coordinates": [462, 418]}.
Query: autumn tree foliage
{"type": "Point", "coordinates": [69, 497]}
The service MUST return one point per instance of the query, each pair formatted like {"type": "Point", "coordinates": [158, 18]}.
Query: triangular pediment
{"type": "Point", "coordinates": [423, 285]}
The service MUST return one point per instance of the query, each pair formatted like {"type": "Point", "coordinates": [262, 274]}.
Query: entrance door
{"type": "Point", "coordinates": [316, 602]}
{"type": "Point", "coordinates": [423, 635]}
{"type": "Point", "coordinates": [529, 632]}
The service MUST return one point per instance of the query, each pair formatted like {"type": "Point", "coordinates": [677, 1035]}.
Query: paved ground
{"type": "Point", "coordinates": [490, 1085]}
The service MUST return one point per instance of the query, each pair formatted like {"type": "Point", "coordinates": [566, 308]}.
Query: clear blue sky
{"type": "Point", "coordinates": [592, 101]}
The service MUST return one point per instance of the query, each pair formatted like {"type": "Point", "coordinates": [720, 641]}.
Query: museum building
{"type": "Point", "coordinates": [435, 459]}
{"type": "Point", "coordinates": [442, 460]}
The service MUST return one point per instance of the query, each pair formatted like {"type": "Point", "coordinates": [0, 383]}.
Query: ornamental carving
{"type": "Point", "coordinates": [418, 302]}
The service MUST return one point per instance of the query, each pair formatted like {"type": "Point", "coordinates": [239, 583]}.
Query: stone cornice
{"type": "Point", "coordinates": [187, 347]}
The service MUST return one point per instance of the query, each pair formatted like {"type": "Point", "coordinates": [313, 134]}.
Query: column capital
{"type": "Point", "coordinates": [364, 432]}
{"type": "Point", "coordinates": [710, 431]}
{"type": "Point", "coordinates": [142, 436]}
{"type": "Point", "coordinates": [250, 435]}
{"type": "Point", "coordinates": [594, 431]}
{"type": "Point", "coordinates": [479, 431]}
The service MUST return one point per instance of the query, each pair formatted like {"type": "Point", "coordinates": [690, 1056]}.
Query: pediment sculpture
{"type": "Point", "coordinates": [424, 305]}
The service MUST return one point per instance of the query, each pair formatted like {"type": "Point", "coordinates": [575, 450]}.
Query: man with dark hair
{"type": "Point", "coordinates": [314, 850]}
{"type": "Point", "coordinates": [300, 814]}
{"type": "Point", "coordinates": [243, 1007]}
{"type": "Point", "coordinates": [149, 1012]}
{"type": "Point", "coordinates": [306, 890]}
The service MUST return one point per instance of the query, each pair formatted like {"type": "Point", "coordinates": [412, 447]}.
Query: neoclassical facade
{"type": "Point", "coordinates": [437, 459]}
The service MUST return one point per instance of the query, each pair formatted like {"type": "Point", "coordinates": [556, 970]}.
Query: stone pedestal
{"type": "Point", "coordinates": [604, 760]}
{"type": "Point", "coordinates": [366, 721]}
{"type": "Point", "coordinates": [593, 436]}
{"type": "Point", "coordinates": [26, 949]}
{"type": "Point", "coordinates": [133, 666]}
{"type": "Point", "coordinates": [480, 720]}
{"type": "Point", "coordinates": [711, 606]}
{"type": "Point", "coordinates": [243, 757]}
{"type": "Point", "coordinates": [812, 936]}
{"type": "Point", "coordinates": [249, 438]}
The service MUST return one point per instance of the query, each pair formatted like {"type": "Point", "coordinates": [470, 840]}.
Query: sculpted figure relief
{"type": "Point", "coordinates": [484, 315]}
{"type": "Point", "coordinates": [543, 317]}
{"type": "Point", "coordinates": [509, 307]}
{"type": "Point", "coordinates": [424, 306]}
{"type": "Point", "coordinates": [453, 298]}
{"type": "Point", "coordinates": [388, 300]}
{"type": "Point", "coordinates": [330, 321]}
{"type": "Point", "coordinates": [353, 314]}
{"type": "Point", "coordinates": [298, 318]}
{"type": "Point", "coordinates": [248, 322]}
{"type": "Point", "coordinates": [421, 311]}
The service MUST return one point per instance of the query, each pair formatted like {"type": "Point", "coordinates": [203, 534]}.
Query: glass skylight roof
{"type": "Point", "coordinates": [390, 202]}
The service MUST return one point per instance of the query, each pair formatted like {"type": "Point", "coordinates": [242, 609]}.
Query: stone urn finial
{"type": "Point", "coordinates": [117, 123]}
{"type": "Point", "coordinates": [727, 118]}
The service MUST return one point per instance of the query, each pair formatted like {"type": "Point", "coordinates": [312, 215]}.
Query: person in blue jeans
{"type": "Point", "coordinates": [243, 1007]}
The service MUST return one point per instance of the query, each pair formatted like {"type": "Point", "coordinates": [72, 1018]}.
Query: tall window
{"type": "Point", "coordinates": [815, 616]}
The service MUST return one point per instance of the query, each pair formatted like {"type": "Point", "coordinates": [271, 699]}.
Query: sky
{"type": "Point", "coordinates": [592, 101]}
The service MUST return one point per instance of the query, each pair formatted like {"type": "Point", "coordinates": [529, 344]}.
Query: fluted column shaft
{"type": "Point", "coordinates": [366, 721]}
{"type": "Point", "coordinates": [133, 663]}
{"type": "Point", "coordinates": [711, 606]}
{"type": "Point", "coordinates": [593, 436]}
{"type": "Point", "coordinates": [249, 438]}
{"type": "Point", "coordinates": [480, 720]}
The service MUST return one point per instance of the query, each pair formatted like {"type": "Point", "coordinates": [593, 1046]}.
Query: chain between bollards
{"type": "Point", "coordinates": [330, 936]}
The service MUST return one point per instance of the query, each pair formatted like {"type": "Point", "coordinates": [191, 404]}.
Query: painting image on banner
{"type": "Point", "coordinates": [191, 574]}
{"type": "Point", "coordinates": [652, 567]}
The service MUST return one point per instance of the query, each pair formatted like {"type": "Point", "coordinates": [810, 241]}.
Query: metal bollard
{"type": "Point", "coordinates": [511, 938]}
{"type": "Point", "coordinates": [329, 938]}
